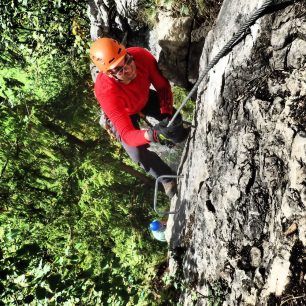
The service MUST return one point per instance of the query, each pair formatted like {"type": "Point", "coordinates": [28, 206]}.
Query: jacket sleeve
{"type": "Point", "coordinates": [113, 107]}
{"type": "Point", "coordinates": [161, 84]}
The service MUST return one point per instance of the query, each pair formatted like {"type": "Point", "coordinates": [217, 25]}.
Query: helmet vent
{"type": "Point", "coordinates": [105, 52]}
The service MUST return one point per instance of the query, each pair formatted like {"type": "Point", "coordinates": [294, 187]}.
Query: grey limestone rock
{"type": "Point", "coordinates": [244, 165]}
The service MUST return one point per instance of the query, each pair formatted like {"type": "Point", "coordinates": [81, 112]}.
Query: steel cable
{"type": "Point", "coordinates": [224, 50]}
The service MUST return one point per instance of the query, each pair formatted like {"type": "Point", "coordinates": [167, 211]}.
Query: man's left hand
{"type": "Point", "coordinates": [173, 134]}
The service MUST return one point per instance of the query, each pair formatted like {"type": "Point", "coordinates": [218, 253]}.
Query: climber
{"type": "Point", "coordinates": [123, 91]}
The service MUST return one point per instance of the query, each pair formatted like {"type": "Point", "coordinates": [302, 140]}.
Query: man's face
{"type": "Point", "coordinates": [125, 71]}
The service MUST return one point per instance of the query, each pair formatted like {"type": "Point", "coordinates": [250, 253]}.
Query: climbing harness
{"type": "Point", "coordinates": [237, 37]}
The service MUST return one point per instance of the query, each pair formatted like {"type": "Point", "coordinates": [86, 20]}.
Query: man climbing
{"type": "Point", "coordinates": [123, 91]}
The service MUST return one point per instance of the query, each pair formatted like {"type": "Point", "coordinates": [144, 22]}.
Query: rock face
{"type": "Point", "coordinates": [240, 235]}
{"type": "Point", "coordinates": [241, 225]}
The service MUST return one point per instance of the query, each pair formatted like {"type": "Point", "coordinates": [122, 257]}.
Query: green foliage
{"type": "Point", "coordinates": [202, 11]}
{"type": "Point", "coordinates": [32, 274]}
{"type": "Point", "coordinates": [67, 218]}
{"type": "Point", "coordinates": [174, 286]}
{"type": "Point", "coordinates": [30, 29]}
{"type": "Point", "coordinates": [216, 294]}
{"type": "Point", "coordinates": [73, 223]}
{"type": "Point", "coordinates": [58, 196]}
{"type": "Point", "coordinates": [178, 8]}
{"type": "Point", "coordinates": [179, 95]}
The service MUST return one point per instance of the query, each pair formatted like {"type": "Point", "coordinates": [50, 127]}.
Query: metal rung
{"type": "Point", "coordinates": [156, 190]}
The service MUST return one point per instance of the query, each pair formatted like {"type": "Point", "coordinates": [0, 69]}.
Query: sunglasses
{"type": "Point", "coordinates": [118, 71]}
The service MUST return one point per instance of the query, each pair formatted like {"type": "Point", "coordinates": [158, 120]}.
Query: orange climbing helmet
{"type": "Point", "coordinates": [106, 53]}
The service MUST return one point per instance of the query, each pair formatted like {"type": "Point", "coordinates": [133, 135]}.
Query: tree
{"type": "Point", "coordinates": [70, 230]}
{"type": "Point", "coordinates": [30, 29]}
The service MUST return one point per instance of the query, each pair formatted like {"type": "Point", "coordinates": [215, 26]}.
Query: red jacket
{"type": "Point", "coordinates": [119, 101]}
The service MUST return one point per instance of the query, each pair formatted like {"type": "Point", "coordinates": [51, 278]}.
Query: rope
{"type": "Point", "coordinates": [225, 49]}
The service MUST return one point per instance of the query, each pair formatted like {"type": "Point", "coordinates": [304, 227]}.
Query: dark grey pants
{"type": "Point", "coordinates": [145, 158]}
